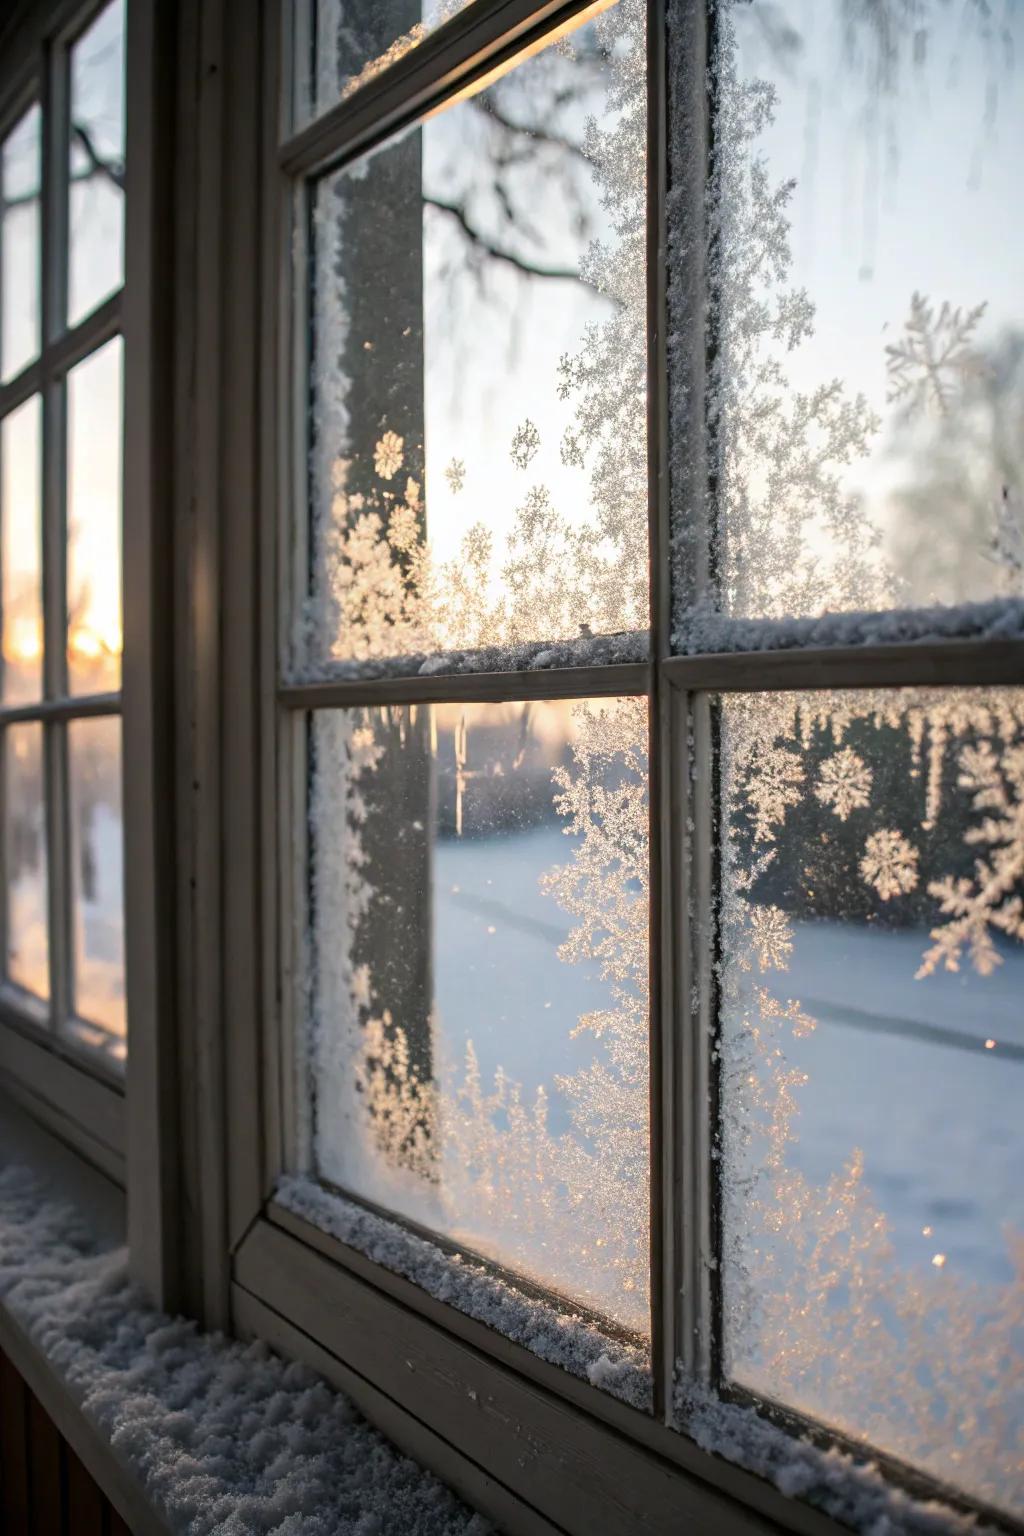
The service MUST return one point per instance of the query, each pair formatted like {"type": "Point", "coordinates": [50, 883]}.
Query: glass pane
{"type": "Point", "coordinates": [479, 1032]}
{"type": "Point", "coordinates": [21, 576]}
{"type": "Point", "coordinates": [873, 1068]}
{"type": "Point", "coordinates": [94, 521]}
{"type": "Point", "coordinates": [96, 164]}
{"type": "Point", "coordinates": [28, 950]}
{"type": "Point", "coordinates": [97, 872]}
{"type": "Point", "coordinates": [19, 244]}
{"type": "Point", "coordinates": [869, 383]}
{"type": "Point", "coordinates": [479, 471]}
{"type": "Point", "coordinates": [339, 46]}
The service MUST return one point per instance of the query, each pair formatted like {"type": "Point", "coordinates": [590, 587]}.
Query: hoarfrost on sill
{"type": "Point", "coordinates": [849, 1489]}
{"type": "Point", "coordinates": [562, 1338]}
{"type": "Point", "coordinates": [224, 1437]}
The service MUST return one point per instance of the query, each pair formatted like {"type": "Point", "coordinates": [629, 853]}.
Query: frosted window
{"type": "Point", "coordinates": [25, 875]}
{"type": "Point", "coordinates": [96, 164]}
{"type": "Point", "coordinates": [873, 1068]}
{"type": "Point", "coordinates": [21, 579]}
{"type": "Point", "coordinates": [869, 373]}
{"type": "Point", "coordinates": [340, 47]}
{"type": "Point", "coordinates": [479, 888]}
{"type": "Point", "coordinates": [94, 521]}
{"type": "Point", "coordinates": [97, 875]}
{"type": "Point", "coordinates": [20, 183]}
{"type": "Point", "coordinates": [479, 472]}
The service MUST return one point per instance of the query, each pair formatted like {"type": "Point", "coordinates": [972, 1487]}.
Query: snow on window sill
{"type": "Point", "coordinates": [572, 1342]}
{"type": "Point", "coordinates": [217, 1435]}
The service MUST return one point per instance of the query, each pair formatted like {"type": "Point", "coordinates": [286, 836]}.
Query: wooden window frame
{"type": "Point", "coordinates": [536, 1449]}
{"type": "Point", "coordinates": [124, 1122]}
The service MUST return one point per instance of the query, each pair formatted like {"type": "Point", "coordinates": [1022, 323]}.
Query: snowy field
{"type": "Point", "coordinates": [897, 1067]}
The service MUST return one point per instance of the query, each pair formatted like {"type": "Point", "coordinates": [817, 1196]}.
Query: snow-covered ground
{"type": "Point", "coordinates": [897, 1067]}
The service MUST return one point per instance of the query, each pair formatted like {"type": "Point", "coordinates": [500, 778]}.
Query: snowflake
{"type": "Point", "coordinates": [773, 937]}
{"type": "Point", "coordinates": [525, 444]}
{"type": "Point", "coordinates": [774, 786]}
{"type": "Point", "coordinates": [935, 355]}
{"type": "Point", "coordinates": [889, 864]}
{"type": "Point", "coordinates": [991, 900]}
{"type": "Point", "coordinates": [455, 474]}
{"type": "Point", "coordinates": [844, 784]}
{"type": "Point", "coordinates": [387, 455]}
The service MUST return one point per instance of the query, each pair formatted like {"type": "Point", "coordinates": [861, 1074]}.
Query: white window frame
{"type": "Point", "coordinates": [123, 1122]}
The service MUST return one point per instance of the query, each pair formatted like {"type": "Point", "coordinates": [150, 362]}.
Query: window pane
{"type": "Point", "coordinates": [339, 47]}
{"type": "Point", "coordinates": [869, 382]}
{"type": "Point", "coordinates": [873, 1068]}
{"type": "Point", "coordinates": [19, 244]}
{"type": "Point", "coordinates": [21, 576]}
{"type": "Point", "coordinates": [97, 872]}
{"type": "Point", "coordinates": [96, 164]}
{"type": "Point", "coordinates": [479, 1033]}
{"type": "Point", "coordinates": [25, 879]}
{"type": "Point", "coordinates": [479, 378]}
{"type": "Point", "coordinates": [94, 521]}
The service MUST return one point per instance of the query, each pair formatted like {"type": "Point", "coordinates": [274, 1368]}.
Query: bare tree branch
{"type": "Point", "coordinates": [529, 269]}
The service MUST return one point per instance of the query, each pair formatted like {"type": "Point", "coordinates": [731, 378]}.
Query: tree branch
{"type": "Point", "coordinates": [529, 269]}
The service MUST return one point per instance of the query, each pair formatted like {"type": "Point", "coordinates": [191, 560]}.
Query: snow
{"type": "Point", "coordinates": [222, 1436]}
{"type": "Point", "coordinates": [850, 1489]}
{"type": "Point", "coordinates": [563, 1338]}
{"type": "Point", "coordinates": [704, 630]}
{"type": "Point", "coordinates": [587, 651]}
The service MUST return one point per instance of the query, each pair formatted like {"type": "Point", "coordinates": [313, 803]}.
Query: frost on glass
{"type": "Point", "coordinates": [25, 867]}
{"type": "Point", "coordinates": [478, 465]}
{"type": "Point", "coordinates": [97, 882]}
{"type": "Point", "coordinates": [872, 1068]}
{"type": "Point", "coordinates": [20, 225]}
{"type": "Point", "coordinates": [21, 574]}
{"type": "Point", "coordinates": [94, 439]}
{"type": "Point", "coordinates": [867, 381]}
{"type": "Point", "coordinates": [339, 47]}
{"type": "Point", "coordinates": [478, 981]}
{"type": "Point", "coordinates": [96, 153]}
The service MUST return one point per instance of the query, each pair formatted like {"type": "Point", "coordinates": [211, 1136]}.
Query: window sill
{"type": "Point", "coordinates": [101, 1205]}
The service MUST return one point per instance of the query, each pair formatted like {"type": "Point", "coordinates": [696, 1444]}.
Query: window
{"type": "Point", "coordinates": [643, 896]}
{"type": "Point", "coordinates": [61, 429]}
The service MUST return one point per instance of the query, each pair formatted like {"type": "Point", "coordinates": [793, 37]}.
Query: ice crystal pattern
{"type": "Point", "coordinates": [524, 444]}
{"type": "Point", "coordinates": [936, 353]}
{"type": "Point", "coordinates": [387, 455]}
{"type": "Point", "coordinates": [553, 575]}
{"type": "Point", "coordinates": [455, 474]}
{"type": "Point", "coordinates": [844, 783]}
{"type": "Point", "coordinates": [818, 1302]}
{"type": "Point", "coordinates": [889, 864]}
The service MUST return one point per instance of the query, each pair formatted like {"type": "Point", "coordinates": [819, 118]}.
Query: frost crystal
{"type": "Point", "coordinates": [387, 455]}
{"type": "Point", "coordinates": [524, 444]}
{"type": "Point", "coordinates": [455, 474]}
{"type": "Point", "coordinates": [934, 357]}
{"type": "Point", "coordinates": [844, 783]}
{"type": "Point", "coordinates": [889, 864]}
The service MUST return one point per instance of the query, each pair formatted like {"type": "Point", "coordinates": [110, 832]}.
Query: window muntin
{"type": "Point", "coordinates": [94, 431]}
{"type": "Point", "coordinates": [872, 1052]}
{"type": "Point", "coordinates": [20, 225]}
{"type": "Point", "coordinates": [340, 48]}
{"type": "Point", "coordinates": [27, 961]}
{"type": "Point", "coordinates": [867, 378]}
{"type": "Point", "coordinates": [21, 547]}
{"type": "Point", "coordinates": [478, 944]}
{"type": "Point", "coordinates": [96, 151]}
{"type": "Point", "coordinates": [479, 371]}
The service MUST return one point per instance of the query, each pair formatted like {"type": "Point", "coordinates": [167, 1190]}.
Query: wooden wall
{"type": "Point", "coordinates": [44, 1488]}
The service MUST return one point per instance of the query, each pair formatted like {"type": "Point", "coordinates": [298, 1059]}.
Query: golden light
{"type": "Point", "coordinates": [990, 1045]}
{"type": "Point", "coordinates": [23, 641]}
{"type": "Point", "coordinates": [938, 1259]}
